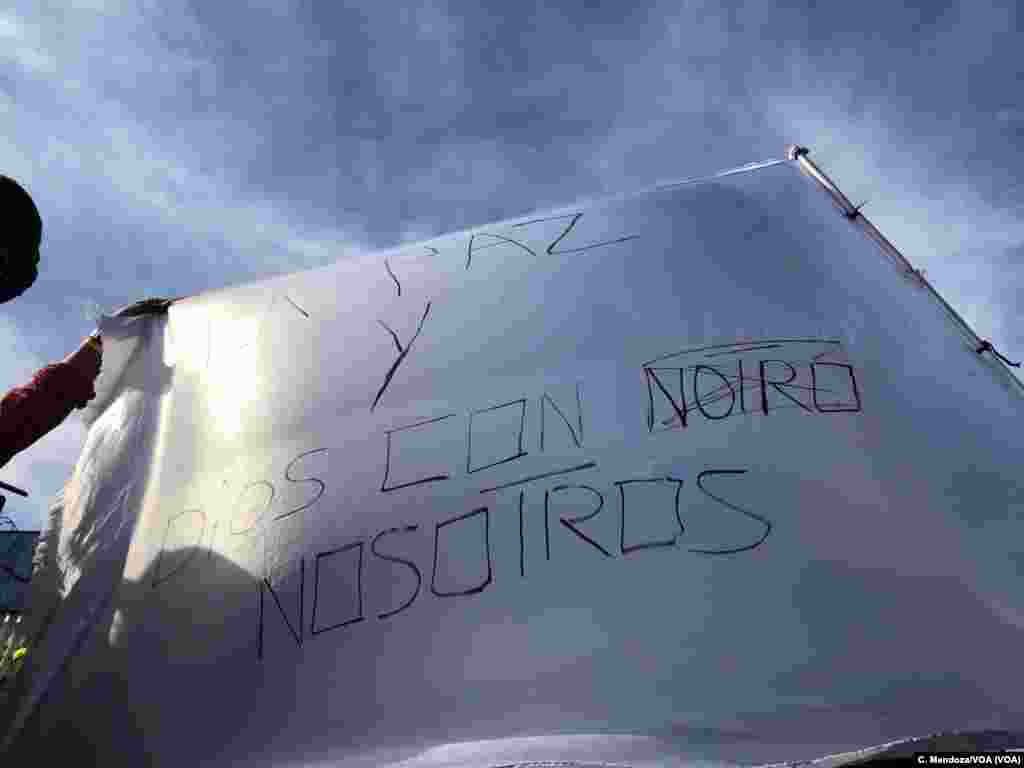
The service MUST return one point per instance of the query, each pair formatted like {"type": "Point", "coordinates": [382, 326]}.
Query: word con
{"type": "Point", "coordinates": [489, 431]}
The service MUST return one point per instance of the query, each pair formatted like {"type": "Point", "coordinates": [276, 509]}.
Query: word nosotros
{"type": "Point", "coordinates": [472, 532]}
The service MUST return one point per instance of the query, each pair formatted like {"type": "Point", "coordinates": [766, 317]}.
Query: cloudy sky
{"type": "Point", "coordinates": [174, 147]}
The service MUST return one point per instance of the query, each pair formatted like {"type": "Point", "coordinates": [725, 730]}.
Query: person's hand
{"type": "Point", "coordinates": [151, 306]}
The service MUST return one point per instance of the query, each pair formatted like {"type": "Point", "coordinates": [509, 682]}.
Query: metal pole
{"type": "Point", "coordinates": [12, 489]}
{"type": "Point", "coordinates": [798, 153]}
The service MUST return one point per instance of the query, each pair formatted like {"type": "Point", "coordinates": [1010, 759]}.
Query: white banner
{"type": "Point", "coordinates": [696, 468]}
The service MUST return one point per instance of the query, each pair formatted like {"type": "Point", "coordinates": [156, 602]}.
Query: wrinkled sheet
{"type": "Point", "coordinates": [690, 475]}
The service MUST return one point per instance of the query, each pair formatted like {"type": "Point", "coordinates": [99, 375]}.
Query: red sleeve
{"type": "Point", "coordinates": [29, 412]}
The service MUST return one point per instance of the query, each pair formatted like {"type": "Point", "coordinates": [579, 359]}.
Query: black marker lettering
{"type": "Point", "coordinates": [519, 438]}
{"type": "Point", "coordinates": [753, 515]}
{"type": "Point", "coordinates": [579, 410]}
{"type": "Point", "coordinates": [680, 412]}
{"type": "Point", "coordinates": [547, 530]}
{"type": "Point", "coordinates": [487, 549]}
{"type": "Point", "coordinates": [778, 385]}
{"type": "Point", "coordinates": [622, 515]}
{"type": "Point", "coordinates": [571, 522]}
{"type": "Point", "coordinates": [311, 480]}
{"type": "Point", "coordinates": [387, 457]}
{"type": "Point", "coordinates": [314, 629]}
{"type": "Point", "coordinates": [577, 438]}
{"type": "Point", "coordinates": [296, 635]}
{"type": "Point", "coordinates": [697, 395]}
{"type": "Point", "coordinates": [541, 476]}
{"type": "Point", "coordinates": [398, 285]}
{"type": "Point", "coordinates": [741, 349]}
{"type": "Point", "coordinates": [394, 336]}
{"type": "Point", "coordinates": [743, 346]}
{"type": "Point", "coordinates": [743, 387]}
{"type": "Point", "coordinates": [266, 487]}
{"type": "Point", "coordinates": [575, 217]}
{"type": "Point", "coordinates": [835, 407]}
{"type": "Point", "coordinates": [522, 562]}
{"type": "Point", "coordinates": [400, 561]}
{"type": "Point", "coordinates": [470, 250]}
{"type": "Point", "coordinates": [402, 352]}
{"type": "Point", "coordinates": [304, 312]}
{"type": "Point", "coordinates": [650, 400]}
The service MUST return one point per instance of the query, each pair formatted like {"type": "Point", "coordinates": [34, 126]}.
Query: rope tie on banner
{"type": "Point", "coordinates": [918, 273]}
{"type": "Point", "coordinates": [987, 345]}
{"type": "Point", "coordinates": [856, 211]}
{"type": "Point", "coordinates": [797, 153]}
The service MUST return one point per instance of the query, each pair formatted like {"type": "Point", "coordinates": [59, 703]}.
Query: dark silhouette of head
{"type": "Point", "coordinates": [20, 236]}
